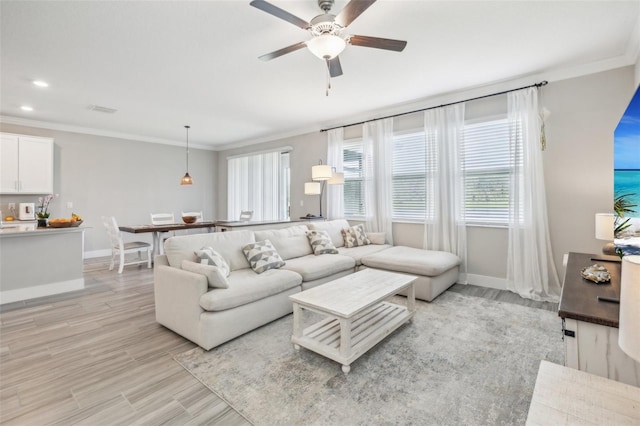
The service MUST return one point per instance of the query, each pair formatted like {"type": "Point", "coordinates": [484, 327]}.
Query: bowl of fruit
{"type": "Point", "coordinates": [65, 222]}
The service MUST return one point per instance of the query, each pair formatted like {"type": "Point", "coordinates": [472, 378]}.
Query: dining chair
{"type": "Point", "coordinates": [162, 219]}
{"type": "Point", "coordinates": [119, 248]}
{"type": "Point", "coordinates": [246, 215]}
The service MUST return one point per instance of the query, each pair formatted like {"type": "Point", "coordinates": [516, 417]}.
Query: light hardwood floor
{"type": "Point", "coordinates": [97, 357]}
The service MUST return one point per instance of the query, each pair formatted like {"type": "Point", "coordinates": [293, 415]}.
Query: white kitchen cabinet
{"type": "Point", "coordinates": [26, 164]}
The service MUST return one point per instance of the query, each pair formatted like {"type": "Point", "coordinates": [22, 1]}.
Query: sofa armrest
{"type": "Point", "coordinates": [177, 298]}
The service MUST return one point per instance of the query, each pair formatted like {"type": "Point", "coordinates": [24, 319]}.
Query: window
{"type": "Point", "coordinates": [410, 199]}
{"type": "Point", "coordinates": [486, 169]}
{"type": "Point", "coordinates": [485, 166]}
{"type": "Point", "coordinates": [260, 183]}
{"type": "Point", "coordinates": [353, 188]}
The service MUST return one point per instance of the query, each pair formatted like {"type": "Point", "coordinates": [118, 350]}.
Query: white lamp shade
{"type": "Point", "coordinates": [321, 172]}
{"type": "Point", "coordinates": [604, 226]}
{"type": "Point", "coordinates": [326, 46]}
{"type": "Point", "coordinates": [336, 179]}
{"type": "Point", "coordinates": [629, 326]}
{"type": "Point", "coordinates": [312, 188]}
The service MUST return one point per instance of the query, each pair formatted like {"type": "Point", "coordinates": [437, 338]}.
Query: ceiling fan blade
{"type": "Point", "coordinates": [352, 10]}
{"type": "Point", "coordinates": [283, 51]}
{"type": "Point", "coordinates": [378, 43]}
{"type": "Point", "coordinates": [335, 69]}
{"type": "Point", "coordinates": [280, 13]}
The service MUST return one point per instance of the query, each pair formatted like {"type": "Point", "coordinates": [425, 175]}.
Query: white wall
{"type": "Point", "coordinates": [578, 166]}
{"type": "Point", "coordinates": [124, 178]}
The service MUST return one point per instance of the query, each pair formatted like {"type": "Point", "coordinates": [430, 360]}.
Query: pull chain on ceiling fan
{"type": "Point", "coordinates": [327, 40]}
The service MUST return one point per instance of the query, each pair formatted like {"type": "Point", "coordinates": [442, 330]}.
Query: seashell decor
{"type": "Point", "coordinates": [596, 273]}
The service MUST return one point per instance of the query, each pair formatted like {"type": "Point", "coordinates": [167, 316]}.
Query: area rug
{"type": "Point", "coordinates": [461, 361]}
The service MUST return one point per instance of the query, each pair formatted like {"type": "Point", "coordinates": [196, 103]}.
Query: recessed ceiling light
{"type": "Point", "coordinates": [26, 108]}
{"type": "Point", "coordinates": [41, 83]}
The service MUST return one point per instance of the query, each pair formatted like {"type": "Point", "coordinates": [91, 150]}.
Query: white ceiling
{"type": "Point", "coordinates": [164, 64]}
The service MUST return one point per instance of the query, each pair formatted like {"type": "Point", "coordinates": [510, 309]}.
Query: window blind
{"type": "Point", "coordinates": [486, 168]}
{"type": "Point", "coordinates": [409, 169]}
{"type": "Point", "coordinates": [353, 186]}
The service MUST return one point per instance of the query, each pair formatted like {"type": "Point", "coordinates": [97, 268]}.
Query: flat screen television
{"type": "Point", "coordinates": [626, 181]}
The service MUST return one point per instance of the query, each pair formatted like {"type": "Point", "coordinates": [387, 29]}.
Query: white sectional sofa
{"type": "Point", "coordinates": [186, 304]}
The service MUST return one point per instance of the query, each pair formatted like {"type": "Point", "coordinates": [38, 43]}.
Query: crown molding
{"type": "Point", "coordinates": [6, 119]}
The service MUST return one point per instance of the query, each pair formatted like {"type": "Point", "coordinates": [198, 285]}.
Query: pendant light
{"type": "Point", "coordinates": [186, 179]}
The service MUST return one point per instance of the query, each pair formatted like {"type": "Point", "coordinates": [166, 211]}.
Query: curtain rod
{"type": "Point", "coordinates": [542, 83]}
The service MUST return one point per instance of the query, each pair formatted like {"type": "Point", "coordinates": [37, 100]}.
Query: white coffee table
{"type": "Point", "coordinates": [356, 315]}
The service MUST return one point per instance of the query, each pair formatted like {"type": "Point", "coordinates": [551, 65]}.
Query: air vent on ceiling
{"type": "Point", "coordinates": [102, 109]}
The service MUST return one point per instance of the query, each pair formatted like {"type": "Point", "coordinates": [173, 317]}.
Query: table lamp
{"type": "Point", "coordinates": [629, 326]}
{"type": "Point", "coordinates": [605, 223]}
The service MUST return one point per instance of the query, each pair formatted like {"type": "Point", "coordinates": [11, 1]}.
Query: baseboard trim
{"type": "Point", "coordinates": [485, 281]}
{"type": "Point", "coordinates": [97, 253]}
{"type": "Point", "coordinates": [9, 296]}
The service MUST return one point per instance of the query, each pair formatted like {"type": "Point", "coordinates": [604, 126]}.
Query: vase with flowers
{"type": "Point", "coordinates": [43, 209]}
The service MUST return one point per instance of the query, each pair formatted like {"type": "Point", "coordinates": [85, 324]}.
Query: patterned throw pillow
{"type": "Point", "coordinates": [321, 242]}
{"type": "Point", "coordinates": [208, 256]}
{"type": "Point", "coordinates": [215, 277]}
{"type": "Point", "coordinates": [355, 236]}
{"type": "Point", "coordinates": [262, 256]}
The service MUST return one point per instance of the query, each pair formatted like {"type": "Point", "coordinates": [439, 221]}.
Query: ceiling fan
{"type": "Point", "coordinates": [327, 41]}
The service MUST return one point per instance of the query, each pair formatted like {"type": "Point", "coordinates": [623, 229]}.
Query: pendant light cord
{"type": "Point", "coordinates": [187, 127]}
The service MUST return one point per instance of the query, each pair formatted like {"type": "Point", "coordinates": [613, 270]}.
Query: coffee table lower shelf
{"type": "Point", "coordinates": [345, 340]}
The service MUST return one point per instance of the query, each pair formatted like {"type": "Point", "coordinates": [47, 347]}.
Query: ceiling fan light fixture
{"type": "Point", "coordinates": [326, 46]}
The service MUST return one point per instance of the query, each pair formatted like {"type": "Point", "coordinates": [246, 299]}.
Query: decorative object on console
{"type": "Point", "coordinates": [186, 179]}
{"type": "Point", "coordinates": [596, 273]}
{"type": "Point", "coordinates": [604, 231]}
{"type": "Point", "coordinates": [629, 327]}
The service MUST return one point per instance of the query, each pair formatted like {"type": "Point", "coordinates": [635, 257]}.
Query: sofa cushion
{"type": "Point", "coordinates": [228, 244]}
{"type": "Point", "coordinates": [321, 242]}
{"type": "Point", "coordinates": [245, 286]}
{"type": "Point", "coordinates": [412, 260]}
{"type": "Point", "coordinates": [333, 227]}
{"type": "Point", "coordinates": [357, 253]}
{"type": "Point", "coordinates": [262, 256]}
{"type": "Point", "coordinates": [289, 242]}
{"type": "Point", "coordinates": [355, 236]}
{"type": "Point", "coordinates": [215, 276]}
{"type": "Point", "coordinates": [377, 237]}
{"type": "Point", "coordinates": [316, 267]}
{"type": "Point", "coordinates": [208, 256]}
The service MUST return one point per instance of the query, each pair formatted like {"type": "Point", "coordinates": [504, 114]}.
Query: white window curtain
{"type": "Point", "coordinates": [377, 150]}
{"type": "Point", "coordinates": [531, 271]}
{"type": "Point", "coordinates": [335, 154]}
{"type": "Point", "coordinates": [444, 134]}
{"type": "Point", "coordinates": [258, 183]}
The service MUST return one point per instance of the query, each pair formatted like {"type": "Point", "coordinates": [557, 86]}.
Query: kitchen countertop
{"type": "Point", "coordinates": [24, 230]}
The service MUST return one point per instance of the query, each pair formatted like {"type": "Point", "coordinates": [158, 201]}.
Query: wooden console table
{"type": "Point", "coordinates": [590, 326]}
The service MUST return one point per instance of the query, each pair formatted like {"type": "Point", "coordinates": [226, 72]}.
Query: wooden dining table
{"type": "Point", "coordinates": [159, 229]}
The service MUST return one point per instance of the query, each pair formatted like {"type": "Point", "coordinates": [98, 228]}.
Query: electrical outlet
{"type": "Point", "coordinates": [69, 204]}
{"type": "Point", "coordinates": [301, 203]}
{"type": "Point", "coordinates": [12, 206]}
